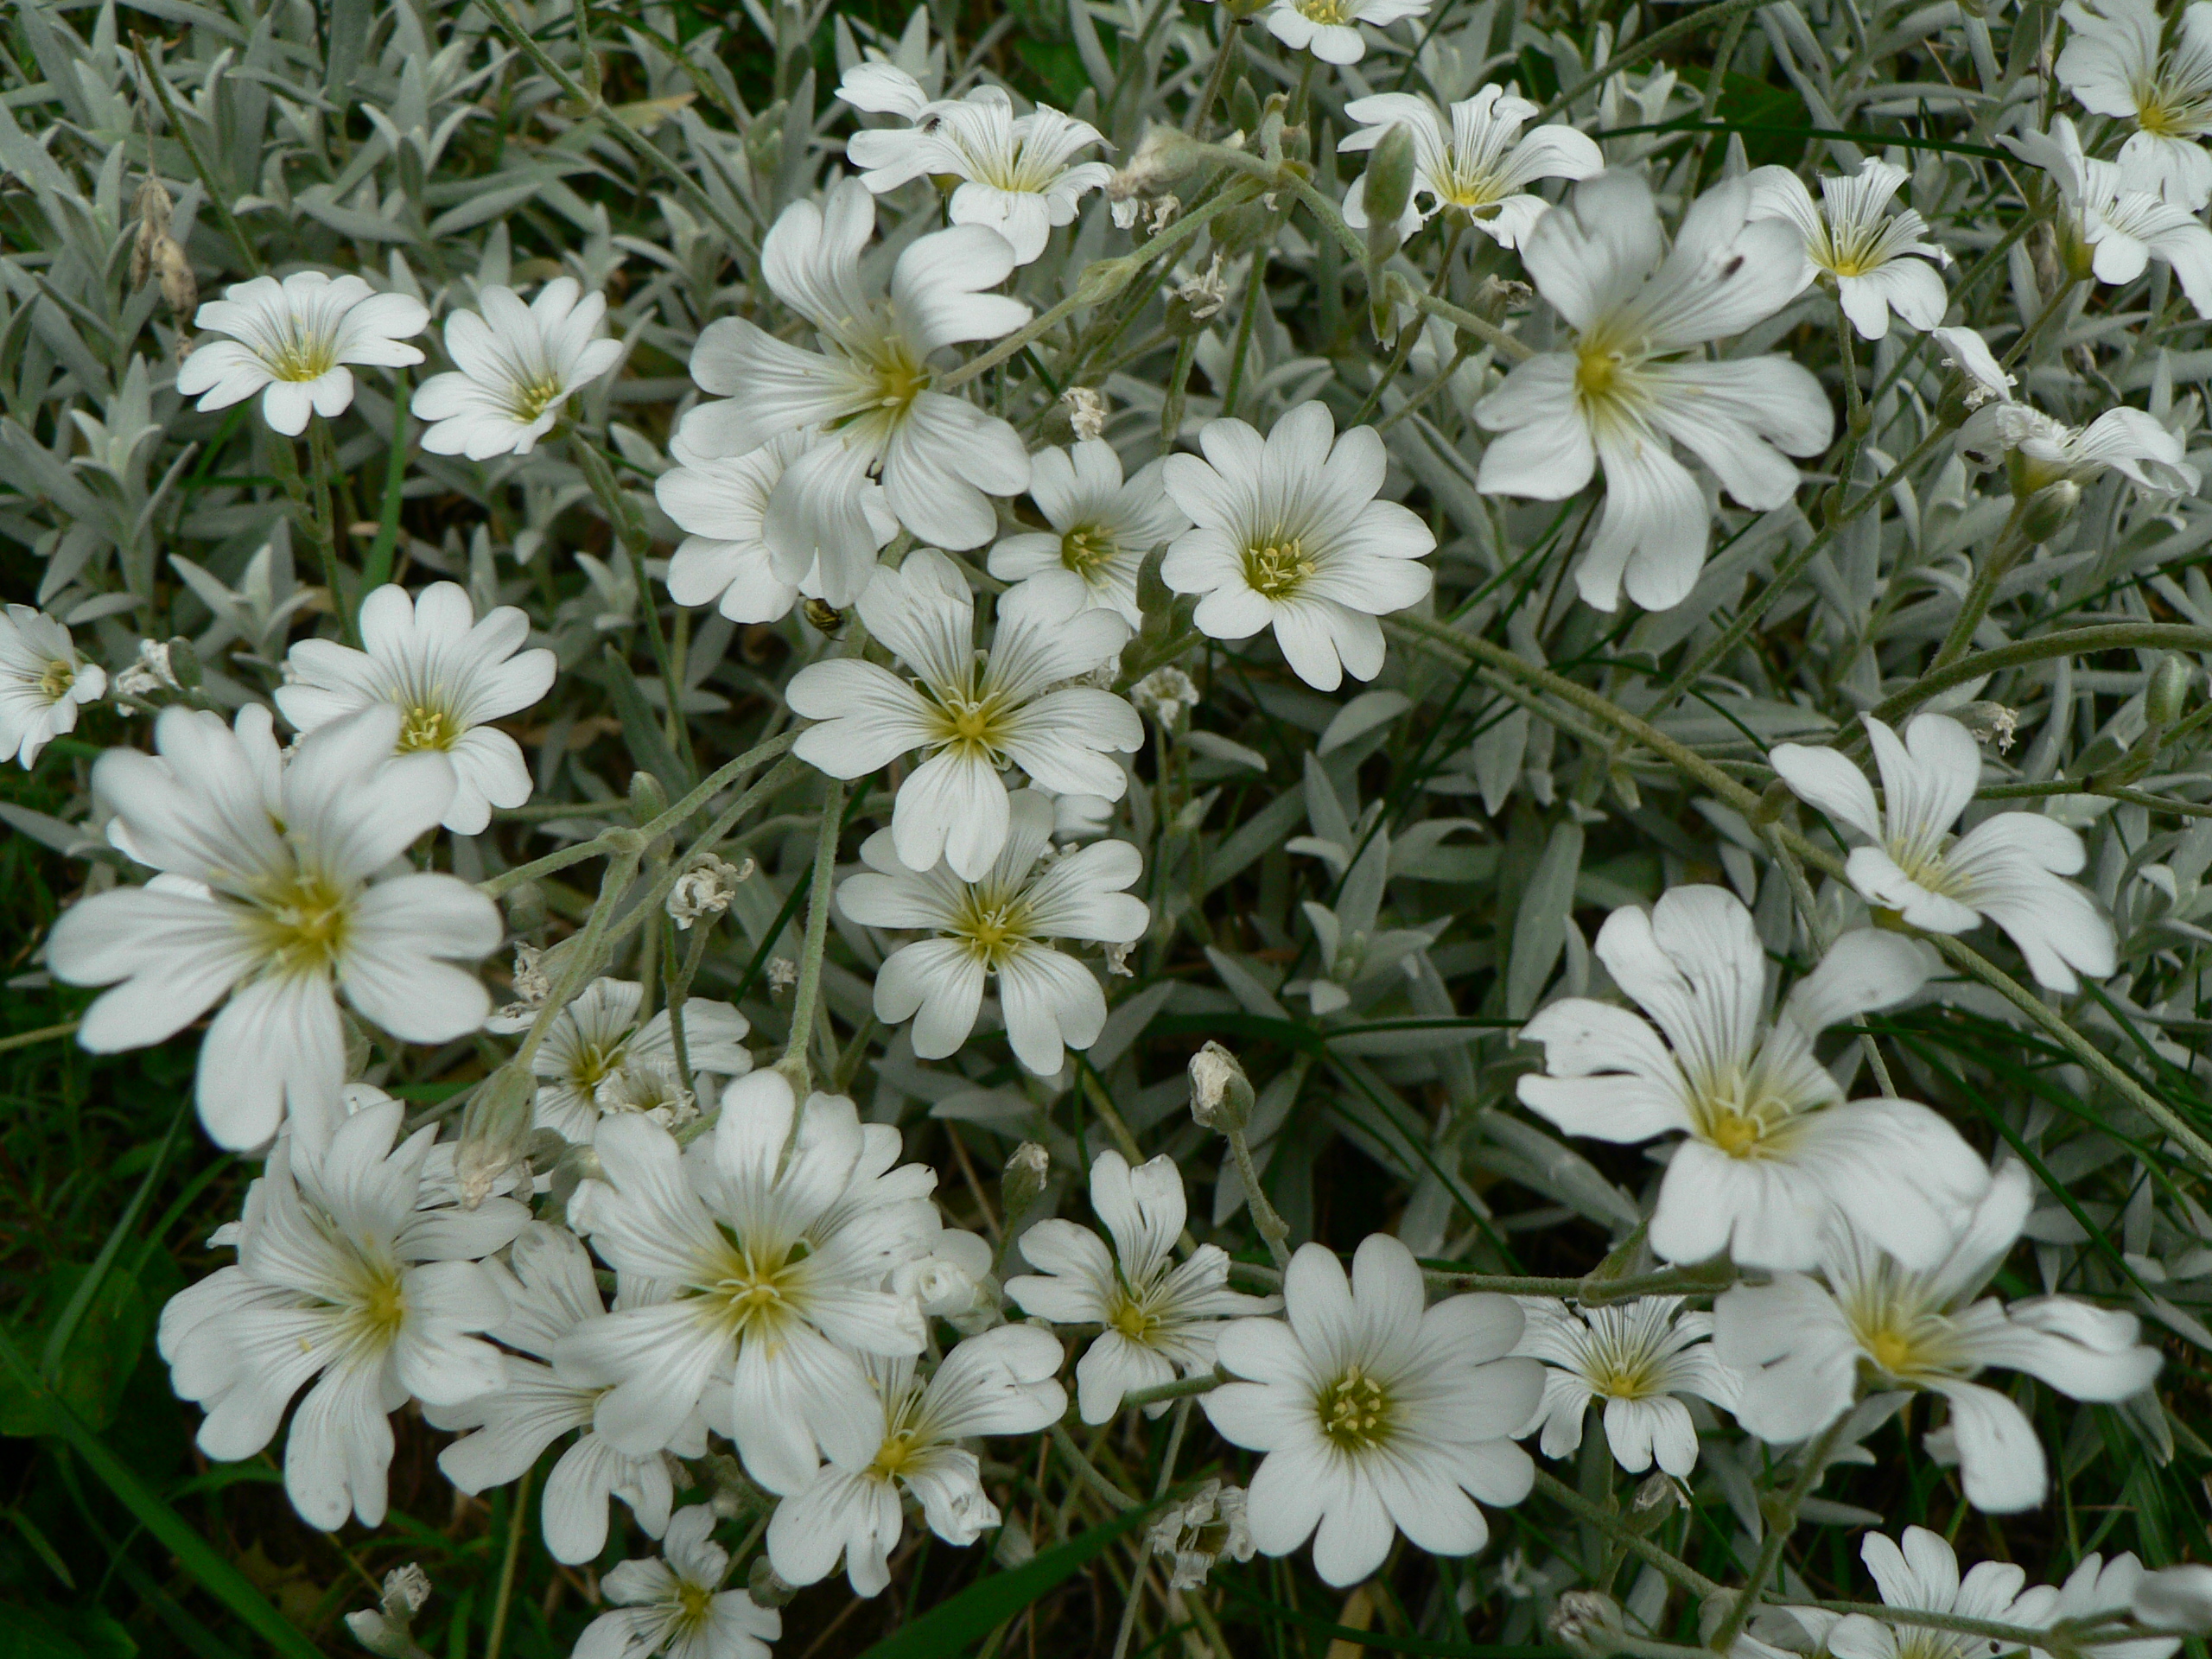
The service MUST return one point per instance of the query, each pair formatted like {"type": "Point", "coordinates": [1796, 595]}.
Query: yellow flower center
{"type": "Point", "coordinates": [427, 727]}
{"type": "Point", "coordinates": [894, 1456]}
{"type": "Point", "coordinates": [593, 1065]}
{"type": "Point", "coordinates": [382, 1309]}
{"type": "Point", "coordinates": [1086, 549]}
{"type": "Point", "coordinates": [304, 922]}
{"type": "Point", "coordinates": [1597, 371]}
{"type": "Point", "coordinates": [1356, 1412]}
{"type": "Point", "coordinates": [1328, 12]}
{"type": "Point", "coordinates": [972, 726]}
{"type": "Point", "coordinates": [1278, 568]}
{"type": "Point", "coordinates": [1890, 1350]}
{"type": "Point", "coordinates": [1132, 1320]}
{"type": "Point", "coordinates": [54, 683]}
{"type": "Point", "coordinates": [533, 397]}
{"type": "Point", "coordinates": [994, 929]}
{"type": "Point", "coordinates": [1733, 1133]}
{"type": "Point", "coordinates": [301, 360]}
{"type": "Point", "coordinates": [749, 1292]}
{"type": "Point", "coordinates": [899, 378]}
{"type": "Point", "coordinates": [695, 1605]}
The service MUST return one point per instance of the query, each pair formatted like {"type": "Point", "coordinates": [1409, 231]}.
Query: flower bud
{"type": "Point", "coordinates": [525, 904]}
{"type": "Point", "coordinates": [648, 800]}
{"type": "Point", "coordinates": [766, 1589]}
{"type": "Point", "coordinates": [495, 1131]}
{"type": "Point", "coordinates": [2169, 690]}
{"type": "Point", "coordinates": [184, 663]}
{"type": "Point", "coordinates": [1023, 1183]}
{"type": "Point", "coordinates": [2049, 509]}
{"type": "Point", "coordinates": [1389, 188]}
{"type": "Point", "coordinates": [1221, 1095]}
{"type": "Point", "coordinates": [1244, 106]}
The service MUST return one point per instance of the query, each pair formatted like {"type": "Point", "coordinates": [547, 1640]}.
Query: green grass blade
{"type": "Point", "coordinates": [956, 1624]}
{"type": "Point", "coordinates": [221, 1579]}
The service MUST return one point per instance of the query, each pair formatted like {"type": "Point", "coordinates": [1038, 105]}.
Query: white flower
{"type": "Point", "coordinates": [1479, 166]}
{"type": "Point", "coordinates": [2098, 1590]}
{"type": "Point", "coordinates": [1330, 28]}
{"type": "Point", "coordinates": [2177, 1598]}
{"type": "Point", "coordinates": [1636, 1357]}
{"type": "Point", "coordinates": [2135, 444]}
{"type": "Point", "coordinates": [1001, 925]}
{"type": "Point", "coordinates": [1877, 261]}
{"type": "Point", "coordinates": [42, 681]}
{"type": "Point", "coordinates": [550, 1291]}
{"type": "Point", "coordinates": [349, 1271]}
{"type": "Point", "coordinates": [1289, 536]}
{"type": "Point", "coordinates": [1000, 1382]}
{"type": "Point", "coordinates": [2009, 869]}
{"type": "Point", "coordinates": [1017, 174]}
{"type": "Point", "coordinates": [1623, 393]}
{"type": "Point", "coordinates": [676, 1605]}
{"type": "Point", "coordinates": [1167, 695]}
{"type": "Point", "coordinates": [296, 338]}
{"type": "Point", "coordinates": [1772, 1145]}
{"type": "Point", "coordinates": [2115, 65]}
{"type": "Point", "coordinates": [940, 457]}
{"type": "Point", "coordinates": [954, 1283]}
{"type": "Point", "coordinates": [764, 1272]}
{"type": "Point", "coordinates": [517, 364]}
{"type": "Point", "coordinates": [973, 713]}
{"type": "Point", "coordinates": [1102, 530]}
{"type": "Point", "coordinates": [2114, 215]}
{"type": "Point", "coordinates": [1159, 1315]}
{"type": "Point", "coordinates": [1213, 1521]}
{"type": "Point", "coordinates": [450, 675]}
{"type": "Point", "coordinates": [1924, 1576]}
{"type": "Point", "coordinates": [596, 1060]}
{"type": "Point", "coordinates": [727, 557]}
{"type": "Point", "coordinates": [1969, 354]}
{"type": "Point", "coordinates": [1376, 1416]}
{"type": "Point", "coordinates": [270, 884]}
{"type": "Point", "coordinates": [1800, 1345]}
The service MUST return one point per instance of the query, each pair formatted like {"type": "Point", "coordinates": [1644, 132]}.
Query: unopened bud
{"type": "Point", "coordinates": [2049, 509]}
{"type": "Point", "coordinates": [1390, 186]}
{"type": "Point", "coordinates": [1586, 1623]}
{"type": "Point", "coordinates": [1023, 1183]}
{"type": "Point", "coordinates": [736, 1494]}
{"type": "Point", "coordinates": [495, 1131]}
{"type": "Point", "coordinates": [2169, 690]}
{"type": "Point", "coordinates": [180, 288]}
{"type": "Point", "coordinates": [648, 800]}
{"type": "Point", "coordinates": [1221, 1095]}
{"type": "Point", "coordinates": [1244, 106]}
{"type": "Point", "coordinates": [767, 1589]}
{"type": "Point", "coordinates": [153, 207]}
{"type": "Point", "coordinates": [525, 904]}
{"type": "Point", "coordinates": [184, 663]}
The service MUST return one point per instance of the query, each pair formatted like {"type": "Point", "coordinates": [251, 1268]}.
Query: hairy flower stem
{"type": "Point", "coordinates": [2004, 553]}
{"type": "Point", "coordinates": [1139, 1577]}
{"type": "Point", "coordinates": [1781, 1517]}
{"type": "Point", "coordinates": [794, 1063]}
{"type": "Point", "coordinates": [676, 985]}
{"type": "Point", "coordinates": [1088, 1472]}
{"type": "Point", "coordinates": [504, 1601]}
{"type": "Point", "coordinates": [324, 456]}
{"type": "Point", "coordinates": [1273, 1228]}
{"type": "Point", "coordinates": [1608, 1521]}
{"type": "Point", "coordinates": [1231, 39]}
{"type": "Point", "coordinates": [659, 825]}
{"type": "Point", "coordinates": [580, 955]}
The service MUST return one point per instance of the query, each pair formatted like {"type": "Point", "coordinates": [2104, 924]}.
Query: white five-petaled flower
{"type": "Point", "coordinates": [1001, 926]}
{"type": "Point", "coordinates": [676, 1605]}
{"type": "Point", "coordinates": [596, 1058]}
{"type": "Point", "coordinates": [1289, 535]}
{"type": "Point", "coordinates": [1623, 394]}
{"type": "Point", "coordinates": [727, 557]}
{"type": "Point", "coordinates": [2114, 219]}
{"type": "Point", "coordinates": [972, 714]}
{"type": "Point", "coordinates": [449, 674]}
{"type": "Point", "coordinates": [1376, 1415]}
{"type": "Point", "coordinates": [550, 1291]}
{"type": "Point", "coordinates": [1103, 528]}
{"type": "Point", "coordinates": [1330, 28]}
{"type": "Point", "coordinates": [759, 1277]}
{"type": "Point", "coordinates": [42, 681]}
{"type": "Point", "coordinates": [1018, 174]}
{"type": "Point", "coordinates": [1800, 1345]}
{"type": "Point", "coordinates": [1000, 1382]}
{"type": "Point", "coordinates": [517, 364]}
{"type": "Point", "coordinates": [869, 389]}
{"type": "Point", "coordinates": [2011, 868]}
{"type": "Point", "coordinates": [1877, 261]}
{"type": "Point", "coordinates": [1772, 1148]}
{"type": "Point", "coordinates": [296, 339]}
{"type": "Point", "coordinates": [2115, 63]}
{"type": "Point", "coordinates": [270, 884]}
{"type": "Point", "coordinates": [1922, 1577]}
{"type": "Point", "coordinates": [351, 1271]}
{"type": "Point", "coordinates": [1478, 166]}
{"type": "Point", "coordinates": [1159, 1314]}
{"type": "Point", "coordinates": [1636, 1357]}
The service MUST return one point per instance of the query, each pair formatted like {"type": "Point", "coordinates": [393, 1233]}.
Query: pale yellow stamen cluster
{"type": "Point", "coordinates": [1356, 1412]}
{"type": "Point", "coordinates": [1277, 566]}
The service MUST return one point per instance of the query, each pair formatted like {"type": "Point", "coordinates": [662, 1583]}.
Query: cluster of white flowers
{"type": "Point", "coordinates": [919, 576]}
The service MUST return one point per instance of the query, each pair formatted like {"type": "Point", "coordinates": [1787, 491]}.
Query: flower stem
{"type": "Point", "coordinates": [1609, 1521]}
{"type": "Point", "coordinates": [794, 1063]}
{"type": "Point", "coordinates": [323, 455]}
{"type": "Point", "coordinates": [505, 1599]}
{"type": "Point", "coordinates": [629, 528]}
{"type": "Point", "coordinates": [1781, 1521]}
{"type": "Point", "coordinates": [1273, 1228]}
